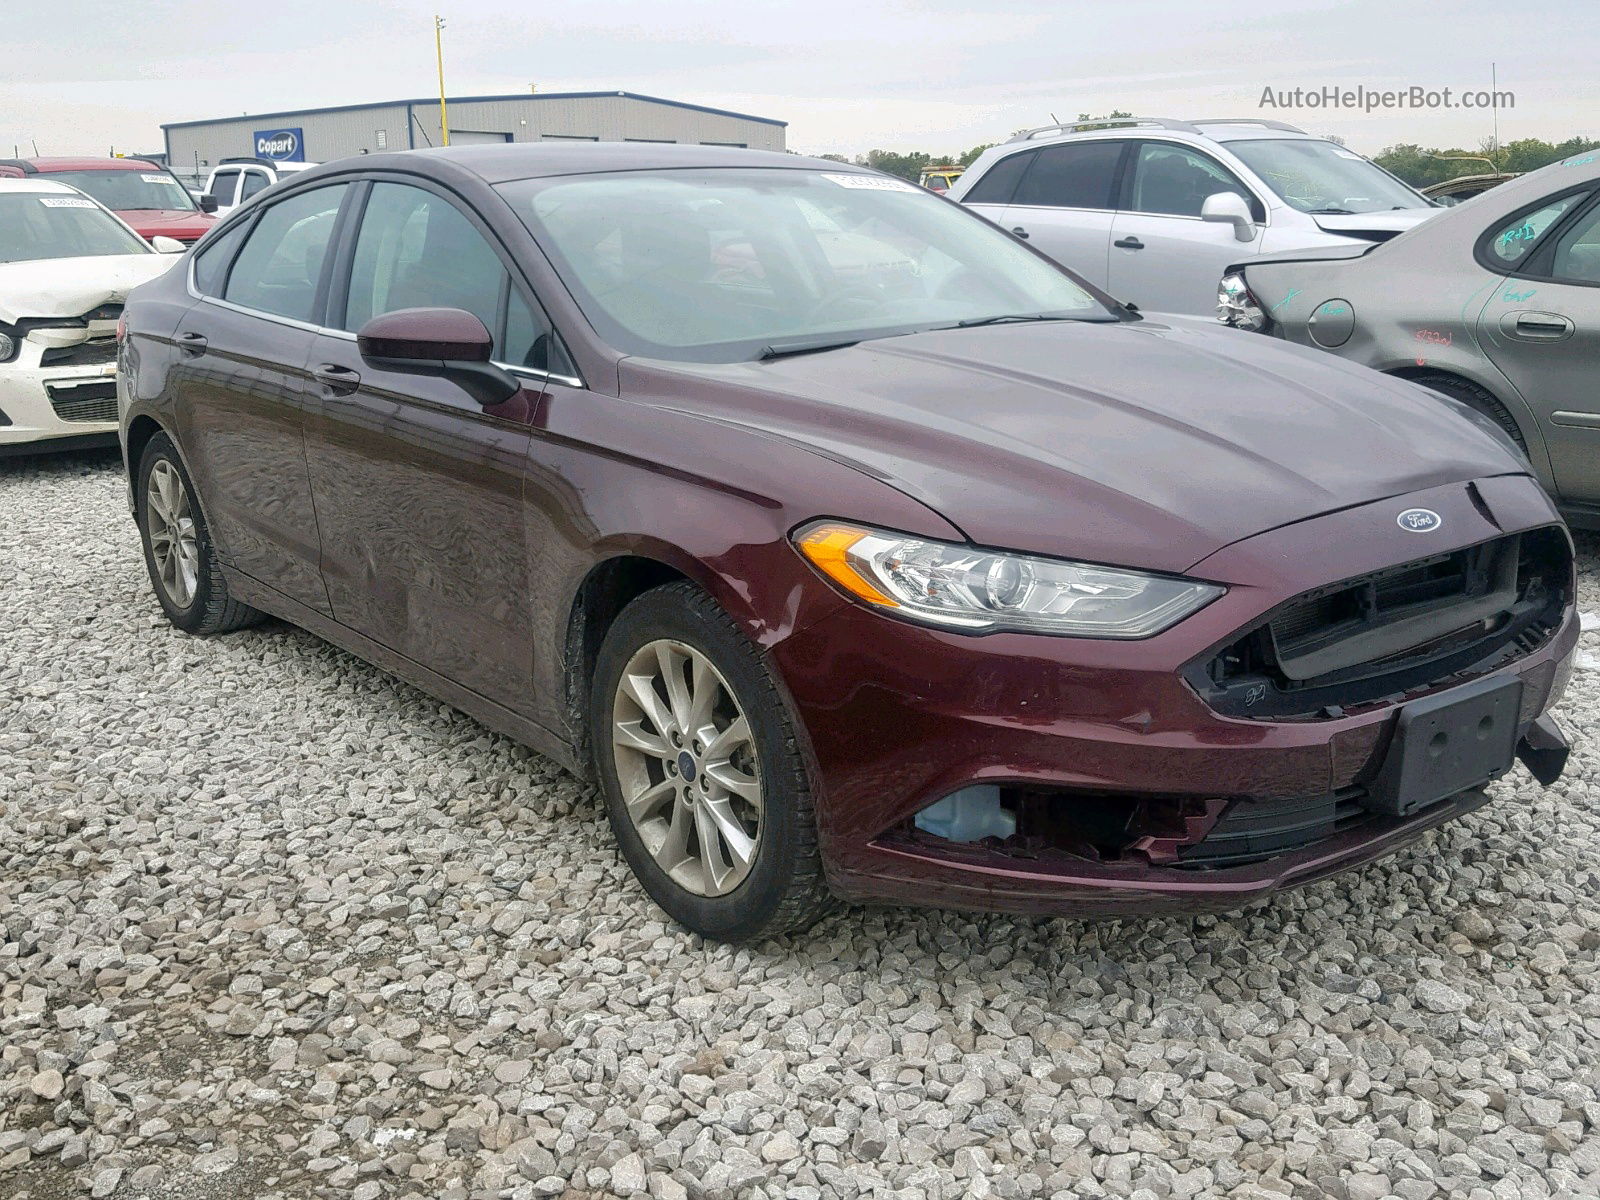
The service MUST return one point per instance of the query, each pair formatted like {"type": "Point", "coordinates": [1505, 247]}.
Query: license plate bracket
{"type": "Point", "coordinates": [1445, 744]}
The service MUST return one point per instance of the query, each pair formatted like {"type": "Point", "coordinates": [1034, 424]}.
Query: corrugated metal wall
{"type": "Point", "coordinates": [195, 149]}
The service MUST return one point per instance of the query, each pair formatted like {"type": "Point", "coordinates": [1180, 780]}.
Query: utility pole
{"type": "Point", "coordinates": [438, 46]}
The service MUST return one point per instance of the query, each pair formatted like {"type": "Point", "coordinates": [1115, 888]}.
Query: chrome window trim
{"type": "Point", "coordinates": [535, 373]}
{"type": "Point", "coordinates": [1051, 208]}
{"type": "Point", "coordinates": [345, 335]}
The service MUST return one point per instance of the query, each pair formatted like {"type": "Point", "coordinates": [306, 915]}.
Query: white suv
{"type": "Point", "coordinates": [1155, 210]}
{"type": "Point", "coordinates": [235, 180]}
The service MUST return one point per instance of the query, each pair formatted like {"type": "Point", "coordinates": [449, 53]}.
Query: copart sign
{"type": "Point", "coordinates": [284, 145]}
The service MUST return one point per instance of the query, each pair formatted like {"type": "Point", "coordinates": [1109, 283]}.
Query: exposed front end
{"type": "Point", "coordinates": [1360, 682]}
{"type": "Point", "coordinates": [58, 385]}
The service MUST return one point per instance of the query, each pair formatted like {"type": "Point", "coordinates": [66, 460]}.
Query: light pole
{"type": "Point", "coordinates": [438, 46]}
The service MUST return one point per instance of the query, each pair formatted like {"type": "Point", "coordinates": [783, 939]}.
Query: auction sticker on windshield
{"type": "Point", "coordinates": [65, 202]}
{"type": "Point", "coordinates": [871, 183]}
{"type": "Point", "coordinates": [154, 178]}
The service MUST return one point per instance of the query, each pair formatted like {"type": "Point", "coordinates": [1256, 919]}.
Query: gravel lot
{"type": "Point", "coordinates": [275, 925]}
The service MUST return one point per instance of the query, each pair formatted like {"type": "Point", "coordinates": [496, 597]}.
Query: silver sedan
{"type": "Point", "coordinates": [1495, 303]}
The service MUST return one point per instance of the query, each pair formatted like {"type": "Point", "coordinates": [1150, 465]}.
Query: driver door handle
{"type": "Point", "coordinates": [337, 380]}
{"type": "Point", "coordinates": [1129, 243]}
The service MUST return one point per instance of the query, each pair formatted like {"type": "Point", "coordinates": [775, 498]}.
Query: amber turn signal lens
{"type": "Point", "coordinates": [827, 547]}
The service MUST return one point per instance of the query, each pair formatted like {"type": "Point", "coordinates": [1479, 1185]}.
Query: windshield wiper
{"type": "Point", "coordinates": [1006, 318]}
{"type": "Point", "coordinates": [1331, 212]}
{"type": "Point", "coordinates": [804, 346]}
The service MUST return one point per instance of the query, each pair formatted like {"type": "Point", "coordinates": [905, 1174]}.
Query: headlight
{"type": "Point", "coordinates": [985, 591]}
{"type": "Point", "coordinates": [1237, 307]}
{"type": "Point", "coordinates": [8, 347]}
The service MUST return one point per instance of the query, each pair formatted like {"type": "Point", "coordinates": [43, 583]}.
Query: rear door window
{"type": "Point", "coordinates": [1072, 175]}
{"type": "Point", "coordinates": [223, 186]}
{"type": "Point", "coordinates": [279, 269]}
{"type": "Point", "coordinates": [1577, 256]}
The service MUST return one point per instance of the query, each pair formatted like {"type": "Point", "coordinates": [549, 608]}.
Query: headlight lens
{"type": "Point", "coordinates": [1237, 307]}
{"type": "Point", "coordinates": [985, 591]}
{"type": "Point", "coordinates": [8, 347]}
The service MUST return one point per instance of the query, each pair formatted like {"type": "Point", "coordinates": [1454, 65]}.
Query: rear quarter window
{"type": "Point", "coordinates": [1513, 241]}
{"type": "Point", "coordinates": [211, 260]}
{"type": "Point", "coordinates": [1000, 181]}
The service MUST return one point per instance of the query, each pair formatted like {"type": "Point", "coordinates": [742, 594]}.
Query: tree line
{"type": "Point", "coordinates": [1420, 166]}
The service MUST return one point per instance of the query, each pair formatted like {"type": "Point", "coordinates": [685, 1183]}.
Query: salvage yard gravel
{"type": "Point", "coordinates": [273, 924]}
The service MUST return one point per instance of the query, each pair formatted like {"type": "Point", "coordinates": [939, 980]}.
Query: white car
{"type": "Point", "coordinates": [235, 180]}
{"type": "Point", "coordinates": [66, 265]}
{"type": "Point", "coordinates": [1154, 210]}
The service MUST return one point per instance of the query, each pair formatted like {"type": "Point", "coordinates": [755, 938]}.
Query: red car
{"type": "Point", "coordinates": [148, 197]}
{"type": "Point", "coordinates": [953, 584]}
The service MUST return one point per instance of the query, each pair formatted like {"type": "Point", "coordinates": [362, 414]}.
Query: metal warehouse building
{"type": "Point", "coordinates": [321, 134]}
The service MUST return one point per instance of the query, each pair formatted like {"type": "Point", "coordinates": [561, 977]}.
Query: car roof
{"type": "Point", "coordinates": [502, 163]}
{"type": "Point", "coordinates": [1215, 129]}
{"type": "Point", "coordinates": [46, 166]}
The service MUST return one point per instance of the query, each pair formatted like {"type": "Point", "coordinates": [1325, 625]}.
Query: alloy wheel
{"type": "Point", "coordinates": [169, 520]}
{"type": "Point", "coordinates": [686, 762]}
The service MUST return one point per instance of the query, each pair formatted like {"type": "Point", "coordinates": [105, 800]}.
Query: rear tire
{"type": "Point", "coordinates": [178, 551]}
{"type": "Point", "coordinates": [697, 755]}
{"type": "Point", "coordinates": [1475, 397]}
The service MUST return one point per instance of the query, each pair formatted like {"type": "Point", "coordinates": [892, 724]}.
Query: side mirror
{"type": "Point", "coordinates": [166, 245]}
{"type": "Point", "coordinates": [1229, 208]}
{"type": "Point", "coordinates": [208, 203]}
{"type": "Point", "coordinates": [449, 343]}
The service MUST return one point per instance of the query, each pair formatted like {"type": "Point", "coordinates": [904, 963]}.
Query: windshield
{"type": "Point", "coordinates": [720, 265]}
{"type": "Point", "coordinates": [1323, 177]}
{"type": "Point", "coordinates": [35, 225]}
{"type": "Point", "coordinates": [128, 191]}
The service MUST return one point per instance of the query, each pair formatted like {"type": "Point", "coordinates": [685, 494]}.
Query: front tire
{"type": "Point", "coordinates": [705, 785]}
{"type": "Point", "coordinates": [178, 551]}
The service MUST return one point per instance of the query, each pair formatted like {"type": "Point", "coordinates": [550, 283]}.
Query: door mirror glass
{"type": "Point", "coordinates": [1229, 208]}
{"type": "Point", "coordinates": [449, 343]}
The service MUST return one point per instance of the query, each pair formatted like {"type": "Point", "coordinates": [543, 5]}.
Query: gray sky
{"type": "Point", "coordinates": [848, 75]}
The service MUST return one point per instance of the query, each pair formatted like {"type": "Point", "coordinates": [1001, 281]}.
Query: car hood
{"type": "Point", "coordinates": [1379, 226]}
{"type": "Point", "coordinates": [168, 222]}
{"type": "Point", "coordinates": [1148, 444]}
{"type": "Point", "coordinates": [71, 287]}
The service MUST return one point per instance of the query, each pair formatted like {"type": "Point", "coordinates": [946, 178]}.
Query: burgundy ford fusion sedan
{"type": "Point", "coordinates": [854, 548]}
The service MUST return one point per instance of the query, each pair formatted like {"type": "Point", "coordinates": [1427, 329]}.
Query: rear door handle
{"type": "Point", "coordinates": [1019, 231]}
{"type": "Point", "coordinates": [192, 343]}
{"type": "Point", "coordinates": [1542, 326]}
{"type": "Point", "coordinates": [337, 380]}
{"type": "Point", "coordinates": [1129, 243]}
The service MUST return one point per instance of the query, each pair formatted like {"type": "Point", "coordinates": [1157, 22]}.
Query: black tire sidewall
{"type": "Point", "coordinates": [1480, 400]}
{"type": "Point", "coordinates": [193, 617]}
{"type": "Point", "coordinates": [687, 615]}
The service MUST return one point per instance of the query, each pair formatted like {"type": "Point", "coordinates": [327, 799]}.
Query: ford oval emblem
{"type": "Point", "coordinates": [1419, 520]}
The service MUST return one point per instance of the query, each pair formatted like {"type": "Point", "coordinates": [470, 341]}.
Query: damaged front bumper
{"type": "Point", "coordinates": [57, 392]}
